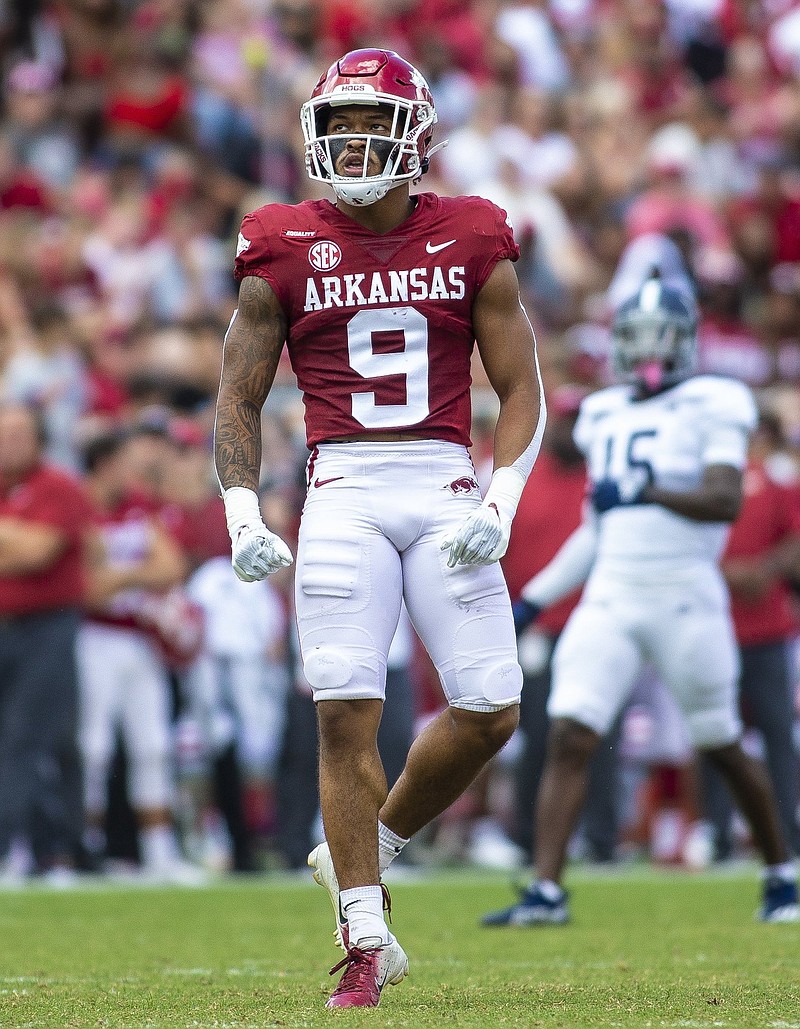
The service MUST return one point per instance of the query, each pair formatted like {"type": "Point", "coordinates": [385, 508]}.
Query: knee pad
{"type": "Point", "coordinates": [327, 668]}
{"type": "Point", "coordinates": [345, 672]}
{"type": "Point", "coordinates": [478, 688]}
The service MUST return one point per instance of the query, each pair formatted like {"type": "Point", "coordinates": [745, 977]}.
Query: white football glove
{"type": "Point", "coordinates": [480, 539]}
{"type": "Point", "coordinates": [483, 537]}
{"type": "Point", "coordinates": [256, 551]}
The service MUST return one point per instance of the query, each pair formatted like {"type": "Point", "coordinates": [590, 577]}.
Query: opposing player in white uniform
{"type": "Point", "coordinates": [665, 452]}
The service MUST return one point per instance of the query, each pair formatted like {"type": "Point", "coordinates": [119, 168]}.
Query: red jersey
{"type": "Point", "coordinates": [770, 513]}
{"type": "Point", "coordinates": [47, 496]}
{"type": "Point", "coordinates": [380, 326]}
{"type": "Point", "coordinates": [126, 531]}
{"type": "Point", "coordinates": [549, 512]}
{"type": "Point", "coordinates": [204, 532]}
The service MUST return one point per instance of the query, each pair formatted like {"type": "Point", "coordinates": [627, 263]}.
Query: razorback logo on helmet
{"type": "Point", "coordinates": [466, 484]}
{"type": "Point", "coordinates": [324, 255]}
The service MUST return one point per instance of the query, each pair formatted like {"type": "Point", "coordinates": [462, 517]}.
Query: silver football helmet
{"type": "Point", "coordinates": [654, 337]}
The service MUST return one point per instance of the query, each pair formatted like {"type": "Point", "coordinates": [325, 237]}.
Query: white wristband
{"type": "Point", "coordinates": [504, 491]}
{"type": "Point", "coordinates": [241, 508]}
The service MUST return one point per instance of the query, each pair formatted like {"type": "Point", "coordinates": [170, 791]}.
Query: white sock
{"type": "Point", "coordinates": [159, 845]}
{"type": "Point", "coordinates": [389, 846]}
{"type": "Point", "coordinates": [786, 872]}
{"type": "Point", "coordinates": [363, 908]}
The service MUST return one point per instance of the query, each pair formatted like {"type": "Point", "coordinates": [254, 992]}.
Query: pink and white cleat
{"type": "Point", "coordinates": [366, 971]}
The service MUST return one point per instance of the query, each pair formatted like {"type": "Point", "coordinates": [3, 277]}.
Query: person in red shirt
{"type": "Point", "coordinates": [761, 560]}
{"type": "Point", "coordinates": [124, 683]}
{"type": "Point", "coordinates": [44, 514]}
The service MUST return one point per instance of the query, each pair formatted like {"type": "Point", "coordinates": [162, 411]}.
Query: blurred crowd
{"type": "Point", "coordinates": [135, 135]}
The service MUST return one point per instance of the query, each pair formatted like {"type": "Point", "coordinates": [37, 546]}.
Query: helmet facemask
{"type": "Point", "coordinates": [411, 126]}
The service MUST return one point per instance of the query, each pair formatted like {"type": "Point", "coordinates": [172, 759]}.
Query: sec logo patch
{"type": "Point", "coordinates": [324, 255]}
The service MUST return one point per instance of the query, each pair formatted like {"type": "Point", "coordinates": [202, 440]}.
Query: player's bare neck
{"type": "Point", "coordinates": [385, 215]}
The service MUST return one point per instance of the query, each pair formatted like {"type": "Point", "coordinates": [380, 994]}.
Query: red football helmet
{"type": "Point", "coordinates": [372, 77]}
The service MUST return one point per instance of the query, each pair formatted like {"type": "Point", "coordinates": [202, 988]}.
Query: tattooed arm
{"type": "Point", "coordinates": [253, 346]}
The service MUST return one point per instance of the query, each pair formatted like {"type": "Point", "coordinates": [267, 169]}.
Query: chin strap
{"type": "Point", "coordinates": [434, 149]}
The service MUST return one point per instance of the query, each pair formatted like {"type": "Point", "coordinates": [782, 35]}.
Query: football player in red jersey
{"type": "Point", "coordinates": [380, 298]}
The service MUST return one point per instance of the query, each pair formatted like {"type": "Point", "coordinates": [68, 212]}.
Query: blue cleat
{"type": "Point", "coordinates": [779, 901]}
{"type": "Point", "coordinates": [533, 908]}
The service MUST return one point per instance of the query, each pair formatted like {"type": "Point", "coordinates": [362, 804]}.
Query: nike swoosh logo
{"type": "Point", "coordinates": [324, 482]}
{"type": "Point", "coordinates": [434, 249]}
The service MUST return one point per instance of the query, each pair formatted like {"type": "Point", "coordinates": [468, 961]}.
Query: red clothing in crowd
{"type": "Point", "coordinates": [25, 190]}
{"type": "Point", "coordinates": [47, 496]}
{"type": "Point", "coordinates": [202, 531]}
{"type": "Point", "coordinates": [770, 513]}
{"type": "Point", "coordinates": [784, 220]}
{"type": "Point", "coordinates": [729, 347]}
{"type": "Point", "coordinates": [126, 531]}
{"type": "Point", "coordinates": [549, 511]}
{"type": "Point", "coordinates": [156, 113]}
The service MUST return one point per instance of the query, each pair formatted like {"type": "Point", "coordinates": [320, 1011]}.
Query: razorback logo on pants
{"type": "Point", "coordinates": [466, 484]}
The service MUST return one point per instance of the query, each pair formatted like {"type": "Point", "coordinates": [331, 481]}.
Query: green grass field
{"type": "Point", "coordinates": [645, 949]}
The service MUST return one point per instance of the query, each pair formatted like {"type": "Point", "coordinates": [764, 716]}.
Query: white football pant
{"type": "Point", "coordinates": [371, 534]}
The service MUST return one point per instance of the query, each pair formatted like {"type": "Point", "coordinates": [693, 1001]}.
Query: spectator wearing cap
{"type": "Point", "coordinates": [761, 563]}
{"type": "Point", "coordinates": [550, 510]}
{"type": "Point", "coordinates": [44, 517]}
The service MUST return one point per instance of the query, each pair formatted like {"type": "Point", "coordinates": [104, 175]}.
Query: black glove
{"type": "Point", "coordinates": [524, 613]}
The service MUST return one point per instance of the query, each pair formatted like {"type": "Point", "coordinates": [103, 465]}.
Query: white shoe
{"type": "Point", "coordinates": [392, 963]}
{"type": "Point", "coordinates": [489, 847]}
{"type": "Point", "coordinates": [60, 877]}
{"type": "Point", "coordinates": [16, 867]}
{"type": "Point", "coordinates": [11, 877]}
